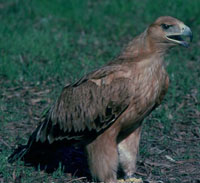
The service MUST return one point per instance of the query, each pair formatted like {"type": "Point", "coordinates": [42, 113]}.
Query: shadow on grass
{"type": "Point", "coordinates": [50, 157]}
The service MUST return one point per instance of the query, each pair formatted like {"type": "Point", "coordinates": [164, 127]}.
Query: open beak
{"type": "Point", "coordinates": [179, 35]}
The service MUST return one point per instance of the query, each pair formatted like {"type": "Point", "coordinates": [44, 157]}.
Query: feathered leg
{"type": "Point", "coordinates": [128, 150]}
{"type": "Point", "coordinates": [103, 159]}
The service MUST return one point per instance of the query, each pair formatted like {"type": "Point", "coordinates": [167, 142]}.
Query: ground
{"type": "Point", "coordinates": [45, 45]}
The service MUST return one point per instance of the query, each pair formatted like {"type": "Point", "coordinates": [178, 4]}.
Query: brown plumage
{"type": "Point", "coordinates": [104, 110]}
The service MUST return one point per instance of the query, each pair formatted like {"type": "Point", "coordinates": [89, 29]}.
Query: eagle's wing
{"type": "Point", "coordinates": [87, 107]}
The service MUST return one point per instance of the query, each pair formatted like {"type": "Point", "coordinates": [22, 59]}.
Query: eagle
{"type": "Point", "coordinates": [104, 110]}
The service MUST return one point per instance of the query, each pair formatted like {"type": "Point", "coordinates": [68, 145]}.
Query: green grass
{"type": "Point", "coordinates": [46, 44]}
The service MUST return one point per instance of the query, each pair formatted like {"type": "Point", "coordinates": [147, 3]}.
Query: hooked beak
{"type": "Point", "coordinates": [177, 36]}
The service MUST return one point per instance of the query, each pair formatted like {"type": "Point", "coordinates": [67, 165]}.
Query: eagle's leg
{"type": "Point", "coordinates": [103, 158]}
{"type": "Point", "coordinates": [128, 150]}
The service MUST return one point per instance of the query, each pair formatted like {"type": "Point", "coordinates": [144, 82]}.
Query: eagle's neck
{"type": "Point", "coordinates": [143, 46]}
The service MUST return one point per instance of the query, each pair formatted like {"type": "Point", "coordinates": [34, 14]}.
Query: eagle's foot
{"type": "Point", "coordinates": [134, 180]}
{"type": "Point", "coordinates": [121, 181]}
{"type": "Point", "coordinates": [130, 180]}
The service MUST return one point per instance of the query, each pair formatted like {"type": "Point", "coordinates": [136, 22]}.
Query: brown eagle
{"type": "Point", "coordinates": [104, 110]}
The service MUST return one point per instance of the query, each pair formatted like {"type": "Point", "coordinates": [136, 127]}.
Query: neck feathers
{"type": "Point", "coordinates": [143, 46]}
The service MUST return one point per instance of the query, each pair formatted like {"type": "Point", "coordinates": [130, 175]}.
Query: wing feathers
{"type": "Point", "coordinates": [86, 107]}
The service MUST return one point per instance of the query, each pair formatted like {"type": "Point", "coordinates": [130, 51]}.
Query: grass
{"type": "Point", "coordinates": [46, 44]}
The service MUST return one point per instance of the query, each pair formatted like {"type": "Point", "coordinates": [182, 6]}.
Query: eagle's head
{"type": "Point", "coordinates": [170, 31]}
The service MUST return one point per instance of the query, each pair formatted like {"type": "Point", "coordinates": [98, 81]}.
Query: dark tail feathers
{"type": "Point", "coordinates": [18, 154]}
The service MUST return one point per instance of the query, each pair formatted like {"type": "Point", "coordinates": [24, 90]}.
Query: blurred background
{"type": "Point", "coordinates": [46, 44]}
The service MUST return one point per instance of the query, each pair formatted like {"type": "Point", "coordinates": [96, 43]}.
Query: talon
{"type": "Point", "coordinates": [134, 180]}
{"type": "Point", "coordinates": [121, 180]}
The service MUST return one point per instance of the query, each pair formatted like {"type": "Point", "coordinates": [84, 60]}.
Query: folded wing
{"type": "Point", "coordinates": [87, 107]}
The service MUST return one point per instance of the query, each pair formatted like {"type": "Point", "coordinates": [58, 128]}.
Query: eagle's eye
{"type": "Point", "coordinates": [165, 26]}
